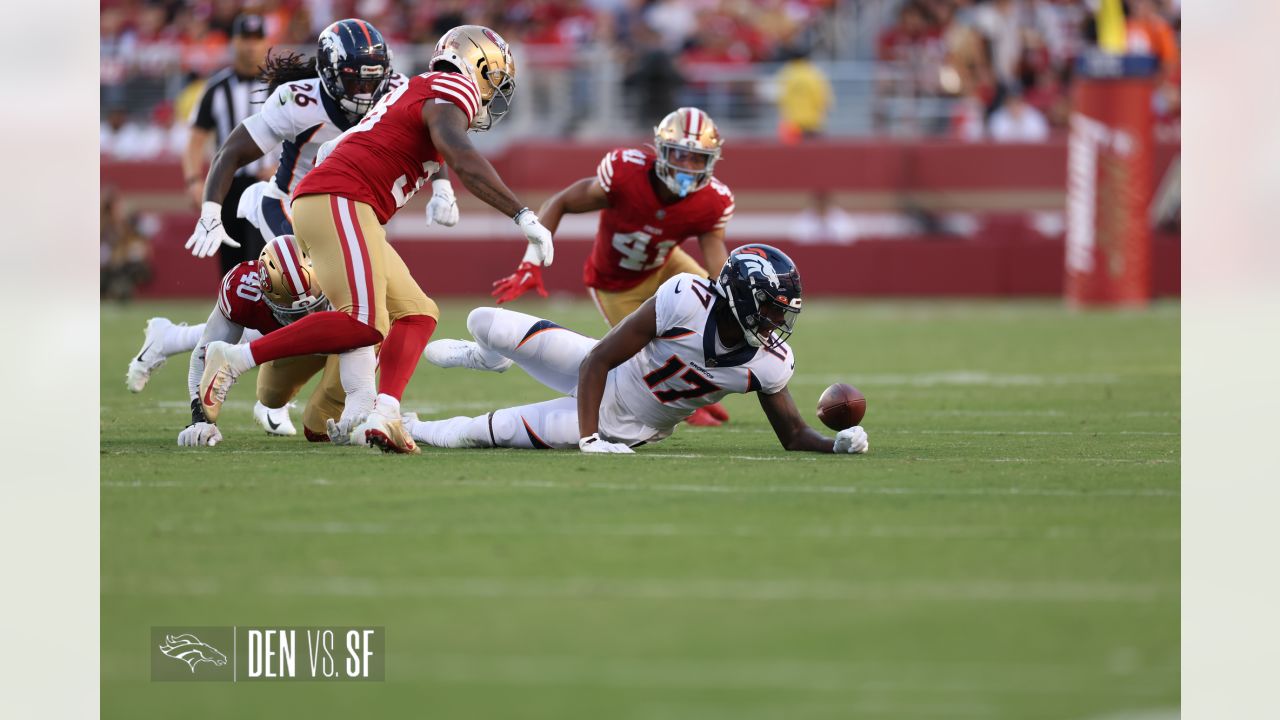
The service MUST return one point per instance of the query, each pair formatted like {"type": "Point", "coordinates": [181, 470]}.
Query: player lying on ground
{"type": "Point", "coordinates": [164, 338]}
{"type": "Point", "coordinates": [691, 344]}
{"type": "Point", "coordinates": [263, 296]}
{"type": "Point", "coordinates": [339, 211]}
{"type": "Point", "coordinates": [649, 204]}
{"type": "Point", "coordinates": [309, 103]}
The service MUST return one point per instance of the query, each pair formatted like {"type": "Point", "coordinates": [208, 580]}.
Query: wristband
{"type": "Point", "coordinates": [516, 218]}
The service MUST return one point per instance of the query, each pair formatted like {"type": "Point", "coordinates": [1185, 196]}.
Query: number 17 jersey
{"type": "Point", "coordinates": [684, 367]}
{"type": "Point", "coordinates": [637, 231]}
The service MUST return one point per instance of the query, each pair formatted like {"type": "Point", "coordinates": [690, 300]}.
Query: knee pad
{"type": "Point", "coordinates": [479, 321]}
{"type": "Point", "coordinates": [505, 428]}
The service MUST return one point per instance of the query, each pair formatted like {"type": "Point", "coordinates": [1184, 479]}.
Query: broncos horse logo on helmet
{"type": "Point", "coordinates": [762, 287]}
{"type": "Point", "coordinates": [189, 649]}
{"type": "Point", "coordinates": [354, 63]}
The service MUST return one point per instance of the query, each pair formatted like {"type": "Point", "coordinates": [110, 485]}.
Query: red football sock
{"type": "Point", "coordinates": [400, 352]}
{"type": "Point", "coordinates": [318, 333]}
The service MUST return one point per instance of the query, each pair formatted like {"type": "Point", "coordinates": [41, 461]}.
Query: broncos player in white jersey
{"type": "Point", "coordinates": [308, 105]}
{"type": "Point", "coordinates": [692, 343]}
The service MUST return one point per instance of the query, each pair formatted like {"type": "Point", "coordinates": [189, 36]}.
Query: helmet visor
{"type": "Point", "coordinates": [777, 318]}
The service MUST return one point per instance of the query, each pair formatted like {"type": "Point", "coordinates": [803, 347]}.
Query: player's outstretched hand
{"type": "Point", "coordinates": [443, 206]}
{"type": "Point", "coordinates": [852, 440]}
{"type": "Point", "coordinates": [540, 250]}
{"type": "Point", "coordinates": [593, 444]}
{"type": "Point", "coordinates": [526, 277]}
{"type": "Point", "coordinates": [209, 234]}
{"type": "Point", "coordinates": [199, 434]}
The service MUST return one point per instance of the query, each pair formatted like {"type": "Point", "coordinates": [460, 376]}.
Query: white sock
{"type": "Point", "coordinates": [241, 359]}
{"type": "Point", "coordinates": [181, 339]}
{"type": "Point", "coordinates": [356, 369]}
{"type": "Point", "coordinates": [387, 406]}
{"type": "Point", "coordinates": [458, 432]}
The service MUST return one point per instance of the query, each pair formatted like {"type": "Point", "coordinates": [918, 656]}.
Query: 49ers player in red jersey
{"type": "Point", "coordinates": [651, 203]}
{"type": "Point", "coordinates": [339, 210]}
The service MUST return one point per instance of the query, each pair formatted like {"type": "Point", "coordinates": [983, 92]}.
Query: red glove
{"type": "Point", "coordinates": [526, 277]}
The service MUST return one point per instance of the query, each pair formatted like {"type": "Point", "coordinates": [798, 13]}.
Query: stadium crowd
{"type": "Point", "coordinates": [970, 69]}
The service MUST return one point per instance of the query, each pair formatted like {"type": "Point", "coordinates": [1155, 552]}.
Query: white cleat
{"type": "Point", "coordinates": [218, 377]}
{"type": "Point", "coordinates": [150, 357]}
{"type": "Point", "coordinates": [385, 433]}
{"type": "Point", "coordinates": [274, 420]}
{"type": "Point", "coordinates": [463, 353]}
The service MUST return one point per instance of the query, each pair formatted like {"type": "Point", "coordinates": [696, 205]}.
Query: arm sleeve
{"type": "Point", "coordinates": [217, 327]}
{"type": "Point", "coordinates": [275, 122]}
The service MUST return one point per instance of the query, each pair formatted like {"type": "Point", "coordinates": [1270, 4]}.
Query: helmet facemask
{"type": "Point", "coordinates": [362, 87]}
{"type": "Point", "coordinates": [685, 169]}
{"type": "Point", "coordinates": [298, 309]}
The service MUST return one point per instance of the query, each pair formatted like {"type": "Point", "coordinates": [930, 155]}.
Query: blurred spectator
{"type": "Point", "coordinates": [1017, 121]}
{"type": "Point", "coordinates": [804, 98]}
{"type": "Point", "coordinates": [124, 252]}
{"type": "Point", "coordinates": [823, 223]}
{"type": "Point", "coordinates": [653, 79]}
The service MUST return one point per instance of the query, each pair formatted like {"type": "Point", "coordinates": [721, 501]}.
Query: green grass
{"type": "Point", "coordinates": [1008, 549]}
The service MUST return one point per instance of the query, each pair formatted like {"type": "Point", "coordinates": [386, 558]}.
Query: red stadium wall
{"type": "Point", "coordinates": [1000, 184]}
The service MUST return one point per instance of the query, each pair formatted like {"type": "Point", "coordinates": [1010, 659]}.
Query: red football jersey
{"type": "Point", "coordinates": [636, 232]}
{"type": "Point", "coordinates": [386, 157]}
{"type": "Point", "coordinates": [240, 299]}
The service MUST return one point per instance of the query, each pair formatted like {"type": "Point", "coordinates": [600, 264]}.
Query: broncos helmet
{"type": "Point", "coordinates": [762, 287]}
{"type": "Point", "coordinates": [354, 64]}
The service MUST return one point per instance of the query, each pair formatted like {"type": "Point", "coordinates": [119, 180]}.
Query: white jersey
{"type": "Point", "coordinates": [683, 369]}
{"type": "Point", "coordinates": [301, 117]}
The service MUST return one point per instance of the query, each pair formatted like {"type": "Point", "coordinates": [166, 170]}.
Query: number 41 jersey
{"type": "Point", "coordinates": [684, 367]}
{"type": "Point", "coordinates": [636, 232]}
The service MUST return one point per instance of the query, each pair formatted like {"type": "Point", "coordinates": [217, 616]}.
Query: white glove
{"type": "Point", "coordinates": [852, 440]}
{"type": "Point", "coordinates": [209, 232]}
{"type": "Point", "coordinates": [325, 149]}
{"type": "Point", "coordinates": [199, 435]}
{"type": "Point", "coordinates": [593, 444]}
{"type": "Point", "coordinates": [443, 206]}
{"type": "Point", "coordinates": [340, 432]}
{"type": "Point", "coordinates": [540, 251]}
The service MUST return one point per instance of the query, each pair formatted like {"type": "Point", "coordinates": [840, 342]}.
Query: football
{"type": "Point", "coordinates": [841, 406]}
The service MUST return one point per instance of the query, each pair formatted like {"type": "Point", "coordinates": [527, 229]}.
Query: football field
{"type": "Point", "coordinates": [1009, 548]}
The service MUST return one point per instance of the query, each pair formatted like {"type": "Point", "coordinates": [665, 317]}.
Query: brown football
{"type": "Point", "coordinates": [841, 406]}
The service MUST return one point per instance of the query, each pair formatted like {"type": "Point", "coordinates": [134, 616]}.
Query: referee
{"type": "Point", "coordinates": [228, 98]}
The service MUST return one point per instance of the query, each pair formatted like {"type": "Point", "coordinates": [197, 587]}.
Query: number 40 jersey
{"type": "Point", "coordinates": [636, 232]}
{"type": "Point", "coordinates": [685, 367]}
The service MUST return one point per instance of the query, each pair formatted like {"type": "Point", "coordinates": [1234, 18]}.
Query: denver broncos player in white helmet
{"type": "Point", "coordinates": [650, 203]}
{"type": "Point", "coordinates": [695, 341]}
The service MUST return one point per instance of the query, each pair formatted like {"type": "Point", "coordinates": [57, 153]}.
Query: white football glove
{"type": "Point", "coordinates": [209, 234]}
{"type": "Point", "coordinates": [540, 250]}
{"type": "Point", "coordinates": [199, 434]}
{"type": "Point", "coordinates": [340, 432]}
{"type": "Point", "coordinates": [852, 440]}
{"type": "Point", "coordinates": [443, 206]}
{"type": "Point", "coordinates": [593, 444]}
{"type": "Point", "coordinates": [325, 149]}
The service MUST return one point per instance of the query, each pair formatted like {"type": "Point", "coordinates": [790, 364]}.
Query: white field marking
{"type": "Point", "coordinates": [959, 377]}
{"type": "Point", "coordinates": [725, 589]}
{"type": "Point", "coordinates": [731, 673]}
{"type": "Point", "coordinates": [883, 532]}
{"type": "Point", "coordinates": [427, 485]}
{"type": "Point", "coordinates": [1160, 714]}
{"type": "Point", "coordinates": [1030, 432]}
{"type": "Point", "coordinates": [1035, 413]}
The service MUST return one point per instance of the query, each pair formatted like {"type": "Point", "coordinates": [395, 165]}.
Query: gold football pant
{"type": "Point", "coordinates": [279, 382]}
{"type": "Point", "coordinates": [615, 306]}
{"type": "Point", "coordinates": [359, 272]}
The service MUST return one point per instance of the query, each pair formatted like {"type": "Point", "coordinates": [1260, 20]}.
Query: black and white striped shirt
{"type": "Point", "coordinates": [226, 101]}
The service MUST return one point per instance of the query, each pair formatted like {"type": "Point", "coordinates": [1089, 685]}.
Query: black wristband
{"type": "Point", "coordinates": [197, 412]}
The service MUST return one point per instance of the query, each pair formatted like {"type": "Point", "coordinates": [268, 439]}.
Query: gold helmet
{"type": "Point", "coordinates": [688, 145]}
{"type": "Point", "coordinates": [482, 55]}
{"type": "Point", "coordinates": [288, 281]}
